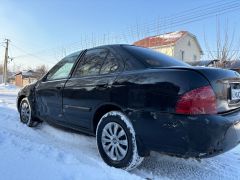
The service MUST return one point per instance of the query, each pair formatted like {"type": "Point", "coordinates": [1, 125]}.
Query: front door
{"type": "Point", "coordinates": [49, 90]}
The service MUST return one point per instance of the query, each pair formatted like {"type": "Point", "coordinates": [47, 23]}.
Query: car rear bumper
{"type": "Point", "coordinates": [186, 136]}
{"type": "Point", "coordinates": [232, 137]}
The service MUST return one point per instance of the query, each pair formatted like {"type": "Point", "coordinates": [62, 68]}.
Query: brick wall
{"type": "Point", "coordinates": [18, 80]}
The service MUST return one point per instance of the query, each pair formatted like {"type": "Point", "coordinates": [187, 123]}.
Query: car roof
{"type": "Point", "coordinates": [110, 46]}
{"type": "Point", "coordinates": [102, 46]}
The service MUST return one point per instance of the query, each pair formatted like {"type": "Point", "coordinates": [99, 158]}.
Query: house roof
{"type": "Point", "coordinates": [161, 40]}
{"type": "Point", "coordinates": [234, 64]}
{"type": "Point", "coordinates": [27, 73]}
{"type": "Point", "coordinates": [165, 39]}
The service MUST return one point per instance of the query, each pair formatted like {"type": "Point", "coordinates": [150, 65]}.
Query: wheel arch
{"type": "Point", "coordinates": [100, 111]}
{"type": "Point", "coordinates": [20, 98]}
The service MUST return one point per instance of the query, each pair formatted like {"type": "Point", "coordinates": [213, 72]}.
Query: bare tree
{"type": "Point", "coordinates": [40, 71]}
{"type": "Point", "coordinates": [226, 45]}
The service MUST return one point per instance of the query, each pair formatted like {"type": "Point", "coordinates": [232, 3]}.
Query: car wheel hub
{"type": "Point", "coordinates": [25, 112]}
{"type": "Point", "coordinates": [114, 141]}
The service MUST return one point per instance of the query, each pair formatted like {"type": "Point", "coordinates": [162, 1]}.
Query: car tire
{"type": "Point", "coordinates": [26, 116]}
{"type": "Point", "coordinates": [116, 141]}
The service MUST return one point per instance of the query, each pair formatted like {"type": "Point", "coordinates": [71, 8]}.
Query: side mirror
{"type": "Point", "coordinates": [44, 78]}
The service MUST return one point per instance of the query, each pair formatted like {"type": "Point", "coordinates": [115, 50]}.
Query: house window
{"type": "Point", "coordinates": [182, 54]}
{"type": "Point", "coordinates": [189, 43]}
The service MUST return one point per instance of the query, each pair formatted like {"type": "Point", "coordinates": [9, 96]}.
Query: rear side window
{"type": "Point", "coordinates": [91, 63]}
{"type": "Point", "coordinates": [111, 64]}
{"type": "Point", "coordinates": [152, 58]}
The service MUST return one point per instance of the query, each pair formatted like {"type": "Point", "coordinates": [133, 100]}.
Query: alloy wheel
{"type": "Point", "coordinates": [25, 112]}
{"type": "Point", "coordinates": [114, 141]}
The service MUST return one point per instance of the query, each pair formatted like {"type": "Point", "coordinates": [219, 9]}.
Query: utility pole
{"type": "Point", "coordinates": [5, 71]}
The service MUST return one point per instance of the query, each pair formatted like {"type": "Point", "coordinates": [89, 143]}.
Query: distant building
{"type": "Point", "coordinates": [24, 78]}
{"type": "Point", "coordinates": [233, 65]}
{"type": "Point", "coordinates": [204, 63]}
{"type": "Point", "coordinates": [180, 44]}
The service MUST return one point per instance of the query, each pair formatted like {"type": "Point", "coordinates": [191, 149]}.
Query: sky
{"type": "Point", "coordinates": [42, 32]}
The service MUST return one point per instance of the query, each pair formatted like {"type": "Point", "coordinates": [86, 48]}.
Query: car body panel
{"type": "Point", "coordinates": [148, 96]}
{"type": "Point", "coordinates": [221, 80]}
{"type": "Point", "coordinates": [156, 89]}
{"type": "Point", "coordinates": [82, 95]}
{"type": "Point", "coordinates": [49, 99]}
{"type": "Point", "coordinates": [196, 136]}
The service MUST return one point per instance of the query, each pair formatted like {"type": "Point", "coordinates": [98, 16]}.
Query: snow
{"type": "Point", "coordinates": [7, 87]}
{"type": "Point", "coordinates": [47, 152]}
{"type": "Point", "coordinates": [172, 35]}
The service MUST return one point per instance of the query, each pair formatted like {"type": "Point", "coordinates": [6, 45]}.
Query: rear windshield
{"type": "Point", "coordinates": [152, 58]}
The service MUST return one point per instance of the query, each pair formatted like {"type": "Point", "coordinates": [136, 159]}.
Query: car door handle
{"type": "Point", "coordinates": [58, 87]}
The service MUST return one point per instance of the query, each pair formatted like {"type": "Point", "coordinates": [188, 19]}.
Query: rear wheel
{"type": "Point", "coordinates": [117, 142]}
{"type": "Point", "coordinates": [26, 113]}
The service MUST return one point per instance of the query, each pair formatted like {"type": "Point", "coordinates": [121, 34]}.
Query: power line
{"type": "Point", "coordinates": [197, 16]}
{"type": "Point", "coordinates": [193, 11]}
{"type": "Point", "coordinates": [185, 17]}
{"type": "Point", "coordinates": [188, 13]}
{"type": "Point", "coordinates": [29, 54]}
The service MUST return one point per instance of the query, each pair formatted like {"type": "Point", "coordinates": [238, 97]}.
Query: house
{"type": "Point", "coordinates": [233, 65]}
{"type": "Point", "coordinates": [205, 63]}
{"type": "Point", "coordinates": [24, 78]}
{"type": "Point", "coordinates": [180, 44]}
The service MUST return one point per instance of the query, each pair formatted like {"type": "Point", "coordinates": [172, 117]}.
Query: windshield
{"type": "Point", "coordinates": [152, 58]}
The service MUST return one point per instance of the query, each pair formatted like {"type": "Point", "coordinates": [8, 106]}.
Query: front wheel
{"type": "Point", "coordinates": [26, 113]}
{"type": "Point", "coordinates": [116, 141]}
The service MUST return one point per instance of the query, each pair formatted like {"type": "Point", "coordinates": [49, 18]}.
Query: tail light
{"type": "Point", "coordinates": [198, 101]}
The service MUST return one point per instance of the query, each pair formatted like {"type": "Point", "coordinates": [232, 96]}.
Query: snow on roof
{"type": "Point", "coordinates": [161, 40]}
{"type": "Point", "coordinates": [27, 73]}
{"type": "Point", "coordinates": [171, 35]}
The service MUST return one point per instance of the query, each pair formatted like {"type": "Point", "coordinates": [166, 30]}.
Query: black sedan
{"type": "Point", "coordinates": [136, 100]}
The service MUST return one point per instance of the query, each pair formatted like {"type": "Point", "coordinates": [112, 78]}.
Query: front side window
{"type": "Point", "coordinates": [63, 68]}
{"type": "Point", "coordinates": [91, 63]}
{"type": "Point", "coordinates": [111, 65]}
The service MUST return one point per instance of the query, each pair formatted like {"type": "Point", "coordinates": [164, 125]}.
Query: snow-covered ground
{"type": "Point", "coordinates": [46, 152]}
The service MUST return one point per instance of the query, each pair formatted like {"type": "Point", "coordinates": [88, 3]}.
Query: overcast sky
{"type": "Point", "coordinates": [43, 31]}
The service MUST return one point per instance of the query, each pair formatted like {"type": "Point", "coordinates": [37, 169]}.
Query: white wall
{"type": "Point", "coordinates": [168, 50]}
{"type": "Point", "coordinates": [191, 51]}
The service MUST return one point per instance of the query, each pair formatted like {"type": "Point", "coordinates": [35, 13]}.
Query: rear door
{"type": "Point", "coordinates": [90, 85]}
{"type": "Point", "coordinates": [49, 90]}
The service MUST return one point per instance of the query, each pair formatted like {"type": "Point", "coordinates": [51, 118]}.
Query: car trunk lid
{"type": "Point", "coordinates": [226, 85]}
